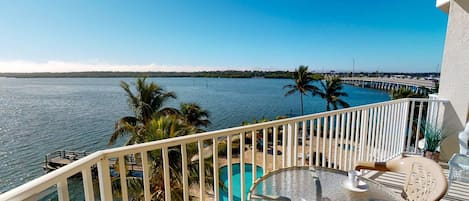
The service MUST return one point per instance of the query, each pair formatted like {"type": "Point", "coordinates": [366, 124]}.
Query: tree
{"type": "Point", "coordinates": [160, 128]}
{"type": "Point", "coordinates": [331, 90]}
{"type": "Point", "coordinates": [193, 114]}
{"type": "Point", "coordinates": [302, 84]}
{"type": "Point", "coordinates": [149, 99]}
{"type": "Point", "coordinates": [153, 121]}
{"type": "Point", "coordinates": [405, 93]}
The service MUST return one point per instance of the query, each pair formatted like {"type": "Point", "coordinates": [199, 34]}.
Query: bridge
{"type": "Point", "coordinates": [389, 84]}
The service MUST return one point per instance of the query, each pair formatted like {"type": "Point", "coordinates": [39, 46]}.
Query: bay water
{"type": "Point", "coordinates": [41, 115]}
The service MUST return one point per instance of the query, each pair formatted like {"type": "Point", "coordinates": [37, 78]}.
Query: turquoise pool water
{"type": "Point", "coordinates": [236, 176]}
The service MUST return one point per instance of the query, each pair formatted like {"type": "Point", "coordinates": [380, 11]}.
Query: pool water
{"type": "Point", "coordinates": [236, 179]}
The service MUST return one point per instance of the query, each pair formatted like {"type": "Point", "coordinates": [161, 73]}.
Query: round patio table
{"type": "Point", "coordinates": [308, 183]}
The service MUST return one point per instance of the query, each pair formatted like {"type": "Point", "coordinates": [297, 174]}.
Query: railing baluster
{"type": "Point", "coordinates": [146, 176]}
{"type": "Point", "coordinates": [405, 110]}
{"type": "Point", "coordinates": [62, 190]}
{"type": "Point", "coordinates": [284, 145]}
{"type": "Point", "coordinates": [311, 136]}
{"type": "Point", "coordinates": [436, 113]}
{"type": "Point", "coordinates": [410, 125]}
{"type": "Point", "coordinates": [274, 147]}
{"type": "Point", "coordinates": [392, 133]}
{"type": "Point", "coordinates": [331, 132]}
{"type": "Point", "coordinates": [368, 133]}
{"type": "Point", "coordinates": [123, 178]}
{"type": "Point", "coordinates": [336, 135]}
{"type": "Point", "coordinates": [341, 147]}
{"type": "Point", "coordinates": [303, 143]}
{"type": "Point", "coordinates": [216, 190]}
{"type": "Point", "coordinates": [347, 144]}
{"type": "Point", "coordinates": [202, 169]}
{"type": "Point", "coordinates": [417, 133]}
{"type": "Point", "coordinates": [166, 168]}
{"type": "Point", "coordinates": [291, 145]}
{"type": "Point", "coordinates": [380, 137]}
{"type": "Point", "coordinates": [265, 144]}
{"type": "Point", "coordinates": [185, 171]}
{"type": "Point", "coordinates": [104, 179]}
{"type": "Point", "coordinates": [373, 135]}
{"type": "Point", "coordinates": [357, 137]}
{"type": "Point", "coordinates": [364, 134]}
{"type": "Point", "coordinates": [88, 184]}
{"type": "Point", "coordinates": [324, 137]}
{"type": "Point", "coordinates": [428, 118]}
{"type": "Point", "coordinates": [387, 133]}
{"type": "Point", "coordinates": [352, 140]}
{"type": "Point", "coordinates": [253, 152]}
{"type": "Point", "coordinates": [396, 129]}
{"type": "Point", "coordinates": [230, 168]}
{"type": "Point", "coordinates": [241, 167]}
{"type": "Point", "coordinates": [295, 145]}
{"type": "Point", "coordinates": [318, 135]}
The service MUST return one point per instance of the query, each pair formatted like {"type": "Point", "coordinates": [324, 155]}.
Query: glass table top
{"type": "Point", "coordinates": [307, 183]}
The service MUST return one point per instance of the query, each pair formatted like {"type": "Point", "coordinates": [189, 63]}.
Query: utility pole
{"type": "Point", "coordinates": [353, 66]}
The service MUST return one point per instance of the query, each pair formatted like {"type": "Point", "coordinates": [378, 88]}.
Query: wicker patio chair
{"type": "Point", "coordinates": [424, 177]}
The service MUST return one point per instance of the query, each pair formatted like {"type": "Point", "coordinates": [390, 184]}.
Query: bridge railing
{"type": "Point", "coordinates": [171, 167]}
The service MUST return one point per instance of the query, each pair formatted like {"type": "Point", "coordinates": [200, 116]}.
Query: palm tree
{"type": "Point", "coordinates": [331, 90]}
{"type": "Point", "coordinates": [194, 115]}
{"type": "Point", "coordinates": [164, 127]}
{"type": "Point", "coordinates": [149, 99]}
{"type": "Point", "coordinates": [302, 84]}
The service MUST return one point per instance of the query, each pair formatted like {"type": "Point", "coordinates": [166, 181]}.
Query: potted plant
{"type": "Point", "coordinates": [433, 137]}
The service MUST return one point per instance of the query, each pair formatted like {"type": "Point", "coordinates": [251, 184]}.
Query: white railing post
{"type": "Point", "coordinates": [274, 151]}
{"type": "Point", "coordinates": [123, 178]}
{"type": "Point", "coordinates": [290, 145]}
{"type": "Point", "coordinates": [185, 171]}
{"type": "Point", "coordinates": [166, 168]}
{"type": "Point", "coordinates": [88, 184]}
{"type": "Point", "coordinates": [216, 191]}
{"type": "Point", "coordinates": [62, 190]}
{"type": "Point", "coordinates": [202, 168]}
{"type": "Point", "coordinates": [146, 176]}
{"type": "Point", "coordinates": [230, 168]}
{"type": "Point", "coordinates": [242, 169]}
{"type": "Point", "coordinates": [104, 179]}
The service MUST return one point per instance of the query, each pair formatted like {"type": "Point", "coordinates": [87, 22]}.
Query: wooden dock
{"type": "Point", "coordinates": [58, 159]}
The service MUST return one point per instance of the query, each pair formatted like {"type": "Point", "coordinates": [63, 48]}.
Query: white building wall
{"type": "Point", "coordinates": [454, 83]}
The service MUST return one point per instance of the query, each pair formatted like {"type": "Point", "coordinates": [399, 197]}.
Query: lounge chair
{"type": "Point", "coordinates": [424, 177]}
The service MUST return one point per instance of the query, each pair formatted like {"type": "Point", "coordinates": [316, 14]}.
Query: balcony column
{"type": "Point", "coordinates": [454, 83]}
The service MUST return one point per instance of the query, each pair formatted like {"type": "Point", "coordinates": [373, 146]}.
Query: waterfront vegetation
{"type": "Point", "coordinates": [207, 74]}
{"type": "Point", "coordinates": [152, 121]}
{"type": "Point", "coordinates": [406, 93]}
{"type": "Point", "coordinates": [303, 84]}
{"type": "Point", "coordinates": [331, 89]}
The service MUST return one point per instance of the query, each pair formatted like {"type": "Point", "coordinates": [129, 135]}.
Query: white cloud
{"type": "Point", "coordinates": [19, 66]}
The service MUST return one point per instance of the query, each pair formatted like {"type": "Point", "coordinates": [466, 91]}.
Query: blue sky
{"type": "Point", "coordinates": [398, 35]}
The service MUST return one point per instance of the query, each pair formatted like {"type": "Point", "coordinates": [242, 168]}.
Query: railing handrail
{"type": "Point", "coordinates": [42, 183]}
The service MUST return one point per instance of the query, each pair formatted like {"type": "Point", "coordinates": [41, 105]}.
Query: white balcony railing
{"type": "Point", "coordinates": [335, 139]}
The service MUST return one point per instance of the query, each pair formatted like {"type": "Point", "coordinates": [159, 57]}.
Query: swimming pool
{"type": "Point", "coordinates": [236, 176]}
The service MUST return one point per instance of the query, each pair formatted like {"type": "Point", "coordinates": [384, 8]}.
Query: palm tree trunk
{"type": "Point", "coordinates": [301, 104]}
{"type": "Point", "coordinates": [328, 107]}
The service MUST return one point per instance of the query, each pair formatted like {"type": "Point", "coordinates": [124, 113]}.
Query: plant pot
{"type": "Point", "coordinates": [432, 155]}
